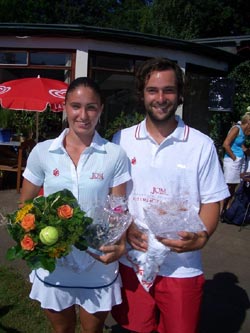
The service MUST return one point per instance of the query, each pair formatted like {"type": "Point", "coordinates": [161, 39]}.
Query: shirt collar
{"type": "Point", "coordinates": [179, 134]}
{"type": "Point", "coordinates": [96, 144]}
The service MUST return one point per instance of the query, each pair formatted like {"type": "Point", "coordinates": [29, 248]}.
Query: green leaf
{"type": "Point", "coordinates": [11, 253]}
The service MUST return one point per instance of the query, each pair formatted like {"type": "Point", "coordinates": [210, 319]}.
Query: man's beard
{"type": "Point", "coordinates": [165, 119]}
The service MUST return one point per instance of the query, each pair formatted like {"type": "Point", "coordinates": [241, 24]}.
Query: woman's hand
{"type": "Point", "coordinates": [111, 252]}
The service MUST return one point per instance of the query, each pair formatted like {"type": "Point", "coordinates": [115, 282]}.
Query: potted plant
{"type": "Point", "coordinates": [6, 121]}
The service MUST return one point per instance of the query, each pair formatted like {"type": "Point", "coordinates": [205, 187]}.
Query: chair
{"type": "Point", "coordinates": [18, 163]}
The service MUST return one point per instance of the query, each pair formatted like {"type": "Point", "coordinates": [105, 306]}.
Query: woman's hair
{"type": "Point", "coordinates": [245, 118]}
{"type": "Point", "coordinates": [86, 82]}
{"type": "Point", "coordinates": [159, 64]}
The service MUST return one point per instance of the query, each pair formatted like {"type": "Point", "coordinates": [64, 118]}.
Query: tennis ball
{"type": "Point", "coordinates": [48, 235]}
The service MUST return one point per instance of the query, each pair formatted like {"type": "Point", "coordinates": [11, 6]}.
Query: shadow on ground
{"type": "Point", "coordinates": [3, 311]}
{"type": "Point", "coordinates": [224, 305]}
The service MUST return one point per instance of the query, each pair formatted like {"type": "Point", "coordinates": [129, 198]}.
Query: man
{"type": "Point", "coordinates": [168, 158]}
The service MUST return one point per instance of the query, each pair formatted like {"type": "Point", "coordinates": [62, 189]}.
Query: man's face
{"type": "Point", "coordinates": [161, 96]}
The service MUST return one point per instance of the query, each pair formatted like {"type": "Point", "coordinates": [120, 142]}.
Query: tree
{"type": "Point", "coordinates": [173, 18]}
{"type": "Point", "coordinates": [198, 18]}
{"type": "Point", "coordinates": [87, 12]}
{"type": "Point", "coordinates": [241, 75]}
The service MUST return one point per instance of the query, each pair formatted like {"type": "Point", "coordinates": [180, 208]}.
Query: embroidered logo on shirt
{"type": "Point", "coordinates": [133, 161]}
{"type": "Point", "coordinates": [158, 190]}
{"type": "Point", "coordinates": [97, 175]}
{"type": "Point", "coordinates": [55, 172]}
{"type": "Point", "coordinates": [181, 166]}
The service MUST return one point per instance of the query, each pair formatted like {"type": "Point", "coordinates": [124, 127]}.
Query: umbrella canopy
{"type": "Point", "coordinates": [33, 94]}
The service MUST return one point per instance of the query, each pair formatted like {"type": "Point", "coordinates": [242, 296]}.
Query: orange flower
{"type": "Point", "coordinates": [28, 222]}
{"type": "Point", "coordinates": [65, 212]}
{"type": "Point", "coordinates": [27, 243]}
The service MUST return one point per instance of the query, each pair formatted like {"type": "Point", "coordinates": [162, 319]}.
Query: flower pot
{"type": "Point", "coordinates": [5, 135]}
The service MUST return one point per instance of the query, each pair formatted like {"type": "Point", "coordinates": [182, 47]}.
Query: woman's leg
{"type": "Point", "coordinates": [92, 322]}
{"type": "Point", "coordinates": [62, 321]}
{"type": "Point", "coordinates": [227, 201]}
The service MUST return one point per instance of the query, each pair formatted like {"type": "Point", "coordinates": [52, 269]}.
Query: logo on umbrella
{"type": "Point", "coordinates": [4, 89]}
{"type": "Point", "coordinates": [58, 93]}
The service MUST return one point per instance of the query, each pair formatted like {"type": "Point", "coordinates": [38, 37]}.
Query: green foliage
{"type": "Point", "coordinates": [241, 75]}
{"type": "Point", "coordinates": [221, 122]}
{"type": "Point", "coordinates": [6, 118]}
{"type": "Point", "coordinates": [123, 120]}
{"type": "Point", "coordinates": [175, 18]}
{"type": "Point", "coordinates": [24, 123]}
{"type": "Point", "coordinates": [172, 18]}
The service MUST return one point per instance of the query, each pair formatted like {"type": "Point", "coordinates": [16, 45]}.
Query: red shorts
{"type": "Point", "coordinates": [171, 306]}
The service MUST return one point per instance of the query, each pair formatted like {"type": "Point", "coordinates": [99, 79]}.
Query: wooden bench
{"type": "Point", "coordinates": [18, 164]}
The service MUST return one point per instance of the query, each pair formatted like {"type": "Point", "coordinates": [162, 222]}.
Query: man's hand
{"type": "Point", "coordinates": [188, 241]}
{"type": "Point", "coordinates": [136, 238]}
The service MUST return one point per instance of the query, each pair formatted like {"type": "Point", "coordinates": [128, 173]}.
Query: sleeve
{"type": "Point", "coordinates": [34, 171]}
{"type": "Point", "coordinates": [121, 170]}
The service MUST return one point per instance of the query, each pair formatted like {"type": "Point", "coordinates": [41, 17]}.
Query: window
{"type": "Point", "coordinates": [116, 76]}
{"type": "Point", "coordinates": [50, 59]}
{"type": "Point", "coordinates": [16, 64]}
{"type": "Point", "coordinates": [13, 58]}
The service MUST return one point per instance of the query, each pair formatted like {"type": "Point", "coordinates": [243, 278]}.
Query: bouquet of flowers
{"type": "Point", "coordinates": [46, 228]}
{"type": "Point", "coordinates": [109, 223]}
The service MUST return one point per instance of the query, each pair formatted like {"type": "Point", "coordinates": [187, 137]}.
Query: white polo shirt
{"type": "Point", "coordinates": [185, 163]}
{"type": "Point", "coordinates": [101, 166]}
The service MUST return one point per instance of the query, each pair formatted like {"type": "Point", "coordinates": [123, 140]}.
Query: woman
{"type": "Point", "coordinates": [91, 168]}
{"type": "Point", "coordinates": [233, 162]}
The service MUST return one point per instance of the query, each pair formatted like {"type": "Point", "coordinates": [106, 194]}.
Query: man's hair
{"type": "Point", "coordinates": [158, 64]}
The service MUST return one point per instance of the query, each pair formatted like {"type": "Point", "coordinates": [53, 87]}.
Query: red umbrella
{"type": "Point", "coordinates": [33, 94]}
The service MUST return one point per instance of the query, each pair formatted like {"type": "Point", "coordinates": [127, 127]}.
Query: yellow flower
{"type": "Point", "coordinates": [56, 253]}
{"type": "Point", "coordinates": [23, 211]}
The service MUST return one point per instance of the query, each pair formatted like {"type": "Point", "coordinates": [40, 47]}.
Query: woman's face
{"type": "Point", "coordinates": [246, 128]}
{"type": "Point", "coordinates": [83, 107]}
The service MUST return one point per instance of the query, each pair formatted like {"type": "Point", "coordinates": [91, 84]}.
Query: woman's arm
{"type": "Point", "coordinates": [228, 141]}
{"type": "Point", "coordinates": [29, 191]}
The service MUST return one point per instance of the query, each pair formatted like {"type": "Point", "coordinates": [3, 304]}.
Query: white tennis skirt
{"type": "Point", "coordinates": [232, 169]}
{"type": "Point", "coordinates": [60, 298]}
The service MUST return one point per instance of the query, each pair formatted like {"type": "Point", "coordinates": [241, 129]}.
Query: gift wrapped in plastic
{"type": "Point", "coordinates": [164, 219]}
{"type": "Point", "coordinates": [147, 264]}
{"type": "Point", "coordinates": [109, 223]}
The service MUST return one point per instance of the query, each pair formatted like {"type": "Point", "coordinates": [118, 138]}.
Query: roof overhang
{"type": "Point", "coordinates": [83, 31]}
